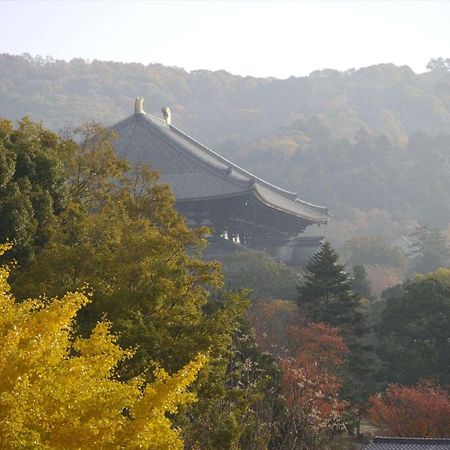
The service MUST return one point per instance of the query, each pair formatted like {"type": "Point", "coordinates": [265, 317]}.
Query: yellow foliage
{"type": "Point", "coordinates": [442, 275]}
{"type": "Point", "coordinates": [57, 392]}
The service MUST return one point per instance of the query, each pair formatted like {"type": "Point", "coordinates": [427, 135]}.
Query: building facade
{"type": "Point", "coordinates": [240, 207]}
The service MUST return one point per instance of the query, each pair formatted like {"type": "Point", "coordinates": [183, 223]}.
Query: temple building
{"type": "Point", "coordinates": [244, 211]}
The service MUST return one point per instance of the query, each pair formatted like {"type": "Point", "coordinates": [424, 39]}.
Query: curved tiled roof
{"type": "Point", "coordinates": [195, 172]}
{"type": "Point", "coordinates": [397, 443]}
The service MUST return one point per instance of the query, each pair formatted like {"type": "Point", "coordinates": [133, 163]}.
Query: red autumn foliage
{"type": "Point", "coordinates": [317, 343]}
{"type": "Point", "coordinates": [412, 411]}
{"type": "Point", "coordinates": [271, 320]}
{"type": "Point", "coordinates": [310, 382]}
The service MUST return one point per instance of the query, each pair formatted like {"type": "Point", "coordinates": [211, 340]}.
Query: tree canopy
{"type": "Point", "coordinates": [60, 392]}
{"type": "Point", "coordinates": [414, 330]}
{"type": "Point", "coordinates": [327, 296]}
{"type": "Point", "coordinates": [412, 411]}
{"type": "Point", "coordinates": [118, 239]}
{"type": "Point", "coordinates": [32, 185]}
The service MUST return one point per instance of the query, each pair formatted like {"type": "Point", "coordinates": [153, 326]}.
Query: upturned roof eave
{"type": "Point", "coordinates": [229, 163]}
{"type": "Point", "coordinates": [316, 219]}
{"type": "Point", "coordinates": [254, 192]}
{"type": "Point", "coordinates": [255, 179]}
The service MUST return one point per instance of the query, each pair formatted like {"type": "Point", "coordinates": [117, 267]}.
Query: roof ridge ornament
{"type": "Point", "coordinates": [139, 105]}
{"type": "Point", "coordinates": [167, 115]}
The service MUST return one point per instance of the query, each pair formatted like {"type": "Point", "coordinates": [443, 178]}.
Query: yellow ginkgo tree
{"type": "Point", "coordinates": [57, 392]}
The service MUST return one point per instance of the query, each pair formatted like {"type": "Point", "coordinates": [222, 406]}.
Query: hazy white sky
{"type": "Point", "coordinates": [260, 38]}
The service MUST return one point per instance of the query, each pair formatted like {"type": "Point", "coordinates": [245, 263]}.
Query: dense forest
{"type": "Point", "coordinates": [371, 144]}
{"type": "Point", "coordinates": [116, 333]}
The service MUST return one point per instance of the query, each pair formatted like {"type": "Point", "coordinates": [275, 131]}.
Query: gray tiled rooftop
{"type": "Point", "coordinates": [195, 172]}
{"type": "Point", "coordinates": [393, 443]}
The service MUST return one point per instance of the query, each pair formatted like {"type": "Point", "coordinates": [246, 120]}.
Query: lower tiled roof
{"type": "Point", "coordinates": [397, 443]}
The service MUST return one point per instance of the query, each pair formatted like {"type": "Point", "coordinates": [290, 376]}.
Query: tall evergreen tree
{"type": "Point", "coordinates": [362, 286]}
{"type": "Point", "coordinates": [328, 297]}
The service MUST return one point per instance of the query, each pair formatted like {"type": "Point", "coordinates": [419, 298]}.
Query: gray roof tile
{"type": "Point", "coordinates": [395, 443]}
{"type": "Point", "coordinates": [195, 172]}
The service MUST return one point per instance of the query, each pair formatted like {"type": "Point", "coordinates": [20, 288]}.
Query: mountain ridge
{"type": "Point", "coordinates": [372, 139]}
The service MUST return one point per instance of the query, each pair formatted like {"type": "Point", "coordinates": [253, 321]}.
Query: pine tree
{"type": "Point", "coordinates": [362, 286]}
{"type": "Point", "coordinates": [328, 297]}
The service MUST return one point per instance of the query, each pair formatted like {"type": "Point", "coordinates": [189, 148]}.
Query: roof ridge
{"type": "Point", "coordinates": [150, 118]}
{"type": "Point", "coordinates": [410, 440]}
{"type": "Point", "coordinates": [289, 194]}
{"type": "Point", "coordinates": [156, 119]}
{"type": "Point", "coordinates": [312, 205]}
{"type": "Point", "coordinates": [230, 163]}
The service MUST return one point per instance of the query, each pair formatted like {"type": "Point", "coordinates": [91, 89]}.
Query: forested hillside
{"type": "Point", "coordinates": [218, 105]}
{"type": "Point", "coordinates": [371, 144]}
{"type": "Point", "coordinates": [116, 332]}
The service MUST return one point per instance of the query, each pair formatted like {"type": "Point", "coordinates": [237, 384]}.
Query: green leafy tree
{"type": "Point", "coordinates": [32, 185]}
{"type": "Point", "coordinates": [438, 64]}
{"type": "Point", "coordinates": [430, 248]}
{"type": "Point", "coordinates": [414, 331]}
{"type": "Point", "coordinates": [244, 406]}
{"type": "Point", "coordinates": [266, 277]}
{"type": "Point", "coordinates": [373, 250]}
{"type": "Point", "coordinates": [120, 237]}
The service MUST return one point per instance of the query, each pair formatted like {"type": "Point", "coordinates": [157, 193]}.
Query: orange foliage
{"type": "Point", "coordinates": [310, 383]}
{"type": "Point", "coordinates": [319, 344]}
{"type": "Point", "coordinates": [412, 411]}
{"type": "Point", "coordinates": [310, 357]}
{"type": "Point", "coordinates": [270, 320]}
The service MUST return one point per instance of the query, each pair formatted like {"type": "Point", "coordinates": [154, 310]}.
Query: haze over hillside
{"type": "Point", "coordinates": [385, 98]}
{"type": "Point", "coordinates": [374, 142]}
